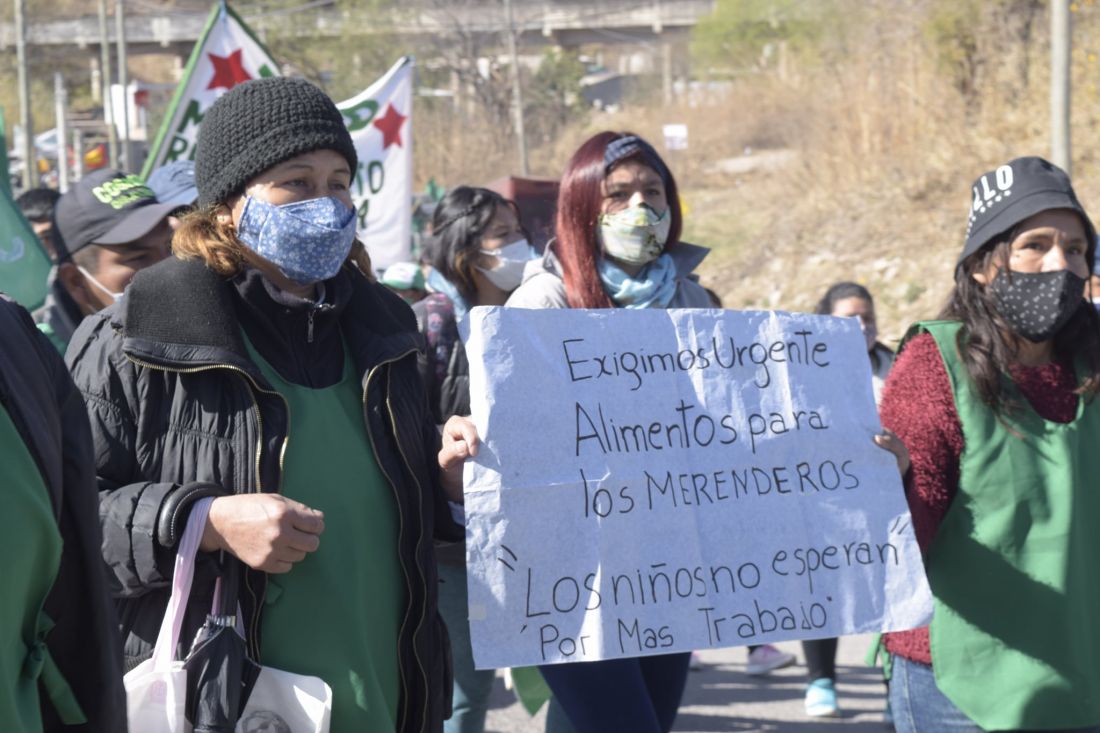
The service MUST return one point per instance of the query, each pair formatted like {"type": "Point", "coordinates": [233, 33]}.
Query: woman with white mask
{"type": "Point", "coordinates": [478, 251]}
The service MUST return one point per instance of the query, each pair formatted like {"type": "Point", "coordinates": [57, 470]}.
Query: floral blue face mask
{"type": "Point", "coordinates": [307, 240]}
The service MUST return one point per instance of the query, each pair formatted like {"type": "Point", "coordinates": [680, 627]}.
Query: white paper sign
{"type": "Point", "coordinates": [676, 136]}
{"type": "Point", "coordinates": [656, 481]}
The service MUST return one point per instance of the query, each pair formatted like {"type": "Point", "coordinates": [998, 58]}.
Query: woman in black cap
{"type": "Point", "coordinates": [995, 402]}
{"type": "Point", "coordinates": [264, 367]}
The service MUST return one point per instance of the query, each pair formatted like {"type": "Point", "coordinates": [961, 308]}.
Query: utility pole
{"type": "Point", "coordinates": [1060, 45]}
{"type": "Point", "coordinates": [61, 105]}
{"type": "Point", "coordinates": [30, 161]}
{"type": "Point", "coordinates": [78, 155]}
{"type": "Point", "coordinates": [517, 91]}
{"type": "Point", "coordinates": [105, 73]}
{"type": "Point", "coordinates": [124, 82]}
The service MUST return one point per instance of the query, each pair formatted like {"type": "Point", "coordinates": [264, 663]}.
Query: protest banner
{"type": "Point", "coordinates": [226, 54]}
{"type": "Point", "coordinates": [657, 481]}
{"type": "Point", "coordinates": [24, 264]}
{"type": "Point", "coordinates": [380, 122]}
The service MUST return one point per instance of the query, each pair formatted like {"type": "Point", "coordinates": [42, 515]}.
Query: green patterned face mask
{"type": "Point", "coordinates": [635, 235]}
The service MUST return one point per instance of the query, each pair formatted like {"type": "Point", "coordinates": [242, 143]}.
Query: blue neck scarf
{"type": "Point", "coordinates": [653, 287]}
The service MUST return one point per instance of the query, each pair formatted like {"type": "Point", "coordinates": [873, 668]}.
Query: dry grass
{"type": "Point", "coordinates": [884, 149]}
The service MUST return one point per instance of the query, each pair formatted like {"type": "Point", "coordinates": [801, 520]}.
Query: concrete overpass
{"type": "Point", "coordinates": [565, 23]}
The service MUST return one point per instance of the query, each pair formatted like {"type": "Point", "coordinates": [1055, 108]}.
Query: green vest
{"type": "Point", "coordinates": [31, 546]}
{"type": "Point", "coordinates": [1016, 628]}
{"type": "Point", "coordinates": [337, 613]}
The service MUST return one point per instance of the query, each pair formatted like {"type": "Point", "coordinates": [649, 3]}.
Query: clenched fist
{"type": "Point", "coordinates": [266, 532]}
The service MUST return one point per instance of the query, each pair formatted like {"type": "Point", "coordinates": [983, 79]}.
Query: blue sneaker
{"type": "Point", "coordinates": [821, 699]}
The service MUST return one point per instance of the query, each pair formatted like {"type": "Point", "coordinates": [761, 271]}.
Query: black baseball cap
{"type": "Point", "coordinates": [107, 207]}
{"type": "Point", "coordinates": [1013, 192]}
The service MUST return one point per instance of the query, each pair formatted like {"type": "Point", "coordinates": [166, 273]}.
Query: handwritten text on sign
{"type": "Point", "coordinates": [656, 481]}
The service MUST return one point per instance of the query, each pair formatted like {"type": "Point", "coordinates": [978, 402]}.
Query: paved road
{"type": "Point", "coordinates": [721, 697]}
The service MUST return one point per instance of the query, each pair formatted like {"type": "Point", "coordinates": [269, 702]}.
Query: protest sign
{"type": "Point", "coordinates": [380, 122]}
{"type": "Point", "coordinates": [657, 481]}
{"type": "Point", "coordinates": [226, 54]}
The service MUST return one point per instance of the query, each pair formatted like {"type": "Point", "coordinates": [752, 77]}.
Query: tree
{"type": "Point", "coordinates": [553, 99]}
{"type": "Point", "coordinates": [743, 34]}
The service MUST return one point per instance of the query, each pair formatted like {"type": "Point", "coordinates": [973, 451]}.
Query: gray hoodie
{"type": "Point", "coordinates": [542, 285]}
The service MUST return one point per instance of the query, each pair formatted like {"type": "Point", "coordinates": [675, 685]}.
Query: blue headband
{"type": "Point", "coordinates": [632, 145]}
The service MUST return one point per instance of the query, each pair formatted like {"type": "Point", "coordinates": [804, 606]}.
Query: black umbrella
{"type": "Point", "coordinates": [220, 675]}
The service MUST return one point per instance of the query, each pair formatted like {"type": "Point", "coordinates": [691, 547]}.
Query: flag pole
{"type": "Point", "coordinates": [30, 163]}
{"type": "Point", "coordinates": [123, 82]}
{"type": "Point", "coordinates": [105, 64]}
{"type": "Point", "coordinates": [61, 107]}
{"type": "Point", "coordinates": [78, 155]}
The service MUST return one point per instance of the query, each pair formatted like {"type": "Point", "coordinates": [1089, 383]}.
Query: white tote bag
{"type": "Point", "coordinates": [156, 690]}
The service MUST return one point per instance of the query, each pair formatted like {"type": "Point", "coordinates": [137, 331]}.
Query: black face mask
{"type": "Point", "coordinates": [1037, 304]}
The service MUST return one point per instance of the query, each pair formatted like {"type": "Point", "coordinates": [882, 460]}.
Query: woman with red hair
{"type": "Point", "coordinates": [617, 245]}
{"type": "Point", "coordinates": [617, 238]}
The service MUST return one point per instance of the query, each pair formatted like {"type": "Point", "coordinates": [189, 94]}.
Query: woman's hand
{"type": "Point", "coordinates": [460, 442]}
{"type": "Point", "coordinates": [266, 532]}
{"type": "Point", "coordinates": [891, 442]}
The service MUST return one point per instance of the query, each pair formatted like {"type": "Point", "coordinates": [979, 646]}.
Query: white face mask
{"type": "Point", "coordinates": [511, 261]}
{"type": "Point", "coordinates": [114, 296]}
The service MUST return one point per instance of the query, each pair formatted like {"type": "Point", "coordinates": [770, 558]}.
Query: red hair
{"type": "Point", "coordinates": [579, 200]}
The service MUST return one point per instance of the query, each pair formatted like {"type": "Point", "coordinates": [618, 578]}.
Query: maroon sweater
{"type": "Point", "coordinates": [918, 405]}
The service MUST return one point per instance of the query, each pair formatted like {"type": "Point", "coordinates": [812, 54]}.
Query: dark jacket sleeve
{"type": "Point", "coordinates": [141, 518]}
{"type": "Point", "coordinates": [446, 529]}
{"type": "Point", "coordinates": [84, 641]}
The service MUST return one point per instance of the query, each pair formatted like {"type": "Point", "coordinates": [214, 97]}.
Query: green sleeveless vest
{"type": "Point", "coordinates": [337, 614]}
{"type": "Point", "coordinates": [1016, 628]}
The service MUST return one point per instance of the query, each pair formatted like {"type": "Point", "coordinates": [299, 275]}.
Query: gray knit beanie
{"type": "Point", "coordinates": [259, 124]}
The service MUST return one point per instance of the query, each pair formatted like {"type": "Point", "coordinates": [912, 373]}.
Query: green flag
{"type": "Point", "coordinates": [24, 265]}
{"type": "Point", "coordinates": [226, 54]}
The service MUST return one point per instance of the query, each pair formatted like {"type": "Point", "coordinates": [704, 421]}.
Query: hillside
{"type": "Point", "coordinates": [829, 139]}
{"type": "Point", "coordinates": [887, 132]}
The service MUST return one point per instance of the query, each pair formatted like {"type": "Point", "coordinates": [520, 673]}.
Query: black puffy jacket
{"type": "Point", "coordinates": [179, 412]}
{"type": "Point", "coordinates": [46, 409]}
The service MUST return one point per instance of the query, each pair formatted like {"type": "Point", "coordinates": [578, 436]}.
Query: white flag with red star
{"type": "Point", "coordinates": [226, 54]}
{"type": "Point", "coordinates": [380, 122]}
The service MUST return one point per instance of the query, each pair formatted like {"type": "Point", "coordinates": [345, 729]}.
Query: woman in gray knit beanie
{"type": "Point", "coordinates": [263, 366]}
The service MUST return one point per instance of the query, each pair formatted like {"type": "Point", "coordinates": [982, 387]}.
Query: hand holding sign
{"type": "Point", "coordinates": [460, 441]}
{"type": "Point", "coordinates": [656, 481]}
